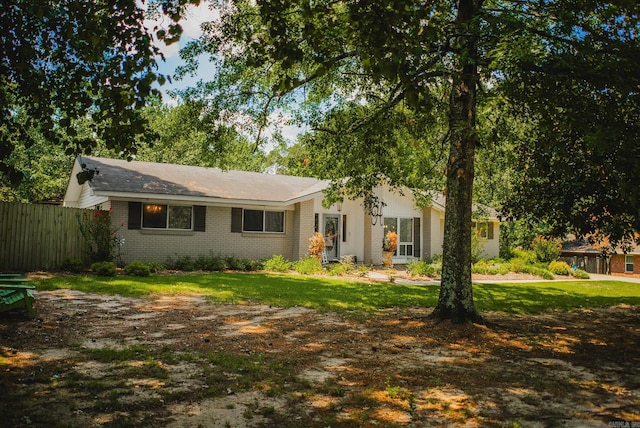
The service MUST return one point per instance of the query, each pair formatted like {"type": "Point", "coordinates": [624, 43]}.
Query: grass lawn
{"type": "Point", "coordinates": [347, 295]}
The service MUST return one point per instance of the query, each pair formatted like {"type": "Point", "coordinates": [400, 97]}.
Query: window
{"type": "Point", "coordinates": [167, 217]}
{"type": "Point", "coordinates": [485, 229]}
{"type": "Point", "coordinates": [263, 221]}
{"type": "Point", "coordinates": [628, 263]}
{"type": "Point", "coordinates": [403, 226]}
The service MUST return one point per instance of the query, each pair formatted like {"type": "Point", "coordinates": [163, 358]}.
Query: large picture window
{"type": "Point", "coordinates": [156, 216]}
{"type": "Point", "coordinates": [263, 221]}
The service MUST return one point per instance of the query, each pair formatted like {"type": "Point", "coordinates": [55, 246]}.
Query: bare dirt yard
{"type": "Point", "coordinates": [109, 361]}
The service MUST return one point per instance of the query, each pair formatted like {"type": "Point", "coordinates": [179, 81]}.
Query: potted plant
{"type": "Point", "coordinates": [389, 245]}
{"type": "Point", "coordinates": [316, 246]}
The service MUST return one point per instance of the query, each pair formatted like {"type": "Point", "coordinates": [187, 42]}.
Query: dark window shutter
{"type": "Point", "coordinates": [135, 215]}
{"type": "Point", "coordinates": [199, 218]}
{"type": "Point", "coordinates": [416, 237]}
{"type": "Point", "coordinates": [490, 230]}
{"type": "Point", "coordinates": [315, 224]}
{"type": "Point", "coordinates": [236, 220]}
{"type": "Point", "coordinates": [344, 228]}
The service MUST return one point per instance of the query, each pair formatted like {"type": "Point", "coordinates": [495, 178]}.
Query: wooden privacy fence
{"type": "Point", "coordinates": [34, 237]}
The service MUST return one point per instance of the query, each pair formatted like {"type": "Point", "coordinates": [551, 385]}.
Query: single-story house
{"type": "Point", "coordinates": [171, 211]}
{"type": "Point", "coordinates": [582, 254]}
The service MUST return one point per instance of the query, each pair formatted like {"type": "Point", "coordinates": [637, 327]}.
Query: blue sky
{"type": "Point", "coordinates": [195, 16]}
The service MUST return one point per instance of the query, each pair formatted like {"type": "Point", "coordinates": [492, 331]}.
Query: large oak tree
{"type": "Point", "coordinates": [557, 66]}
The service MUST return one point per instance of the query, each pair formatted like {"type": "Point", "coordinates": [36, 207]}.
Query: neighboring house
{"type": "Point", "coordinates": [177, 210]}
{"type": "Point", "coordinates": [582, 254]}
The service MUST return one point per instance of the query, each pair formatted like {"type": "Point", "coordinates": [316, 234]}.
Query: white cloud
{"type": "Point", "coordinates": [191, 26]}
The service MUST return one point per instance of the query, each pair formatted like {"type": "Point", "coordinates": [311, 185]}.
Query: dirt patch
{"type": "Point", "coordinates": [180, 361]}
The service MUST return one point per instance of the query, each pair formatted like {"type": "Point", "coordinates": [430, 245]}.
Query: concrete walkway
{"type": "Point", "coordinates": [622, 278]}
{"type": "Point", "coordinates": [404, 281]}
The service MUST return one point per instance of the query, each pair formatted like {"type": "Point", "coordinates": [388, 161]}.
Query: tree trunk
{"type": "Point", "coordinates": [456, 293]}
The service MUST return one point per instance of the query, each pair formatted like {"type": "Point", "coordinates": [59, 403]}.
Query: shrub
{"type": "Point", "coordinates": [155, 266]}
{"type": "Point", "coordinates": [337, 269]}
{"type": "Point", "coordinates": [185, 263]}
{"type": "Point", "coordinates": [277, 263]}
{"type": "Point", "coordinates": [237, 264]}
{"type": "Point", "coordinates": [579, 273]}
{"type": "Point", "coordinates": [527, 256]}
{"type": "Point", "coordinates": [547, 250]}
{"type": "Point", "coordinates": [362, 270]}
{"type": "Point", "coordinates": [559, 268]}
{"type": "Point", "coordinates": [491, 267]}
{"type": "Point", "coordinates": [104, 268]}
{"type": "Point", "coordinates": [308, 266]}
{"type": "Point", "coordinates": [72, 265]}
{"type": "Point", "coordinates": [518, 266]}
{"type": "Point", "coordinates": [99, 236]}
{"type": "Point", "coordinates": [252, 265]}
{"type": "Point", "coordinates": [421, 268]}
{"type": "Point", "coordinates": [137, 268]}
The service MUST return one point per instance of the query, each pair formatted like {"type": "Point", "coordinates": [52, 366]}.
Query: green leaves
{"type": "Point", "coordinates": [62, 62]}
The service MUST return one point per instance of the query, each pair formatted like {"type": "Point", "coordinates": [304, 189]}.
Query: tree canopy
{"type": "Point", "coordinates": [62, 62]}
{"type": "Point", "coordinates": [386, 85]}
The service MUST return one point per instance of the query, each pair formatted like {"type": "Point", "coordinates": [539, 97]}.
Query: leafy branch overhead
{"type": "Point", "coordinates": [66, 61]}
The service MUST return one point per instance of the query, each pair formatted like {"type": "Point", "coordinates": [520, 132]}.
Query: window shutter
{"type": "Point", "coordinates": [489, 230]}
{"type": "Point", "coordinates": [236, 220]}
{"type": "Point", "coordinates": [135, 215]}
{"type": "Point", "coordinates": [416, 237]}
{"type": "Point", "coordinates": [315, 224]}
{"type": "Point", "coordinates": [344, 228]}
{"type": "Point", "coordinates": [199, 218]}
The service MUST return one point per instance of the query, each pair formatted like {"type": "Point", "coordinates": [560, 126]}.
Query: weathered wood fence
{"type": "Point", "coordinates": [35, 237]}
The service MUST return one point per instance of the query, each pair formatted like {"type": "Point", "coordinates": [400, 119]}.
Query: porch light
{"type": "Point", "coordinates": [339, 206]}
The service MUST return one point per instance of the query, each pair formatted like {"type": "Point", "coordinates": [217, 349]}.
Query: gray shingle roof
{"type": "Point", "coordinates": [121, 176]}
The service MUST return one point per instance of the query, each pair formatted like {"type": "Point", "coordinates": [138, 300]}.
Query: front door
{"type": "Point", "coordinates": [331, 236]}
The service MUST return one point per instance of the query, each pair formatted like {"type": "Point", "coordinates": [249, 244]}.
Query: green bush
{"type": "Point", "coordinates": [362, 271]}
{"type": "Point", "coordinates": [307, 266]}
{"type": "Point", "coordinates": [559, 268]}
{"type": "Point", "coordinates": [491, 267]}
{"type": "Point", "coordinates": [547, 250]}
{"type": "Point", "coordinates": [71, 265]}
{"type": "Point", "coordinates": [104, 268]}
{"type": "Point", "coordinates": [252, 265]}
{"type": "Point", "coordinates": [337, 269]}
{"type": "Point", "coordinates": [579, 274]}
{"type": "Point", "coordinates": [185, 263]}
{"type": "Point", "coordinates": [527, 256]}
{"type": "Point", "coordinates": [423, 268]}
{"type": "Point", "coordinates": [155, 266]}
{"type": "Point", "coordinates": [277, 263]}
{"type": "Point", "coordinates": [137, 268]}
{"type": "Point", "coordinates": [522, 267]}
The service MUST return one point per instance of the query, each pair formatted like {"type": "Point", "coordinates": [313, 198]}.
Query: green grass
{"type": "Point", "coordinates": [345, 295]}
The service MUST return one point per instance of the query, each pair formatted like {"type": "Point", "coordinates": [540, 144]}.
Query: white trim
{"type": "Point", "coordinates": [629, 263]}
{"type": "Point", "coordinates": [194, 200]}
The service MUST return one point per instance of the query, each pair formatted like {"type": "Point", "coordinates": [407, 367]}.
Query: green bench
{"type": "Point", "coordinates": [15, 294]}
